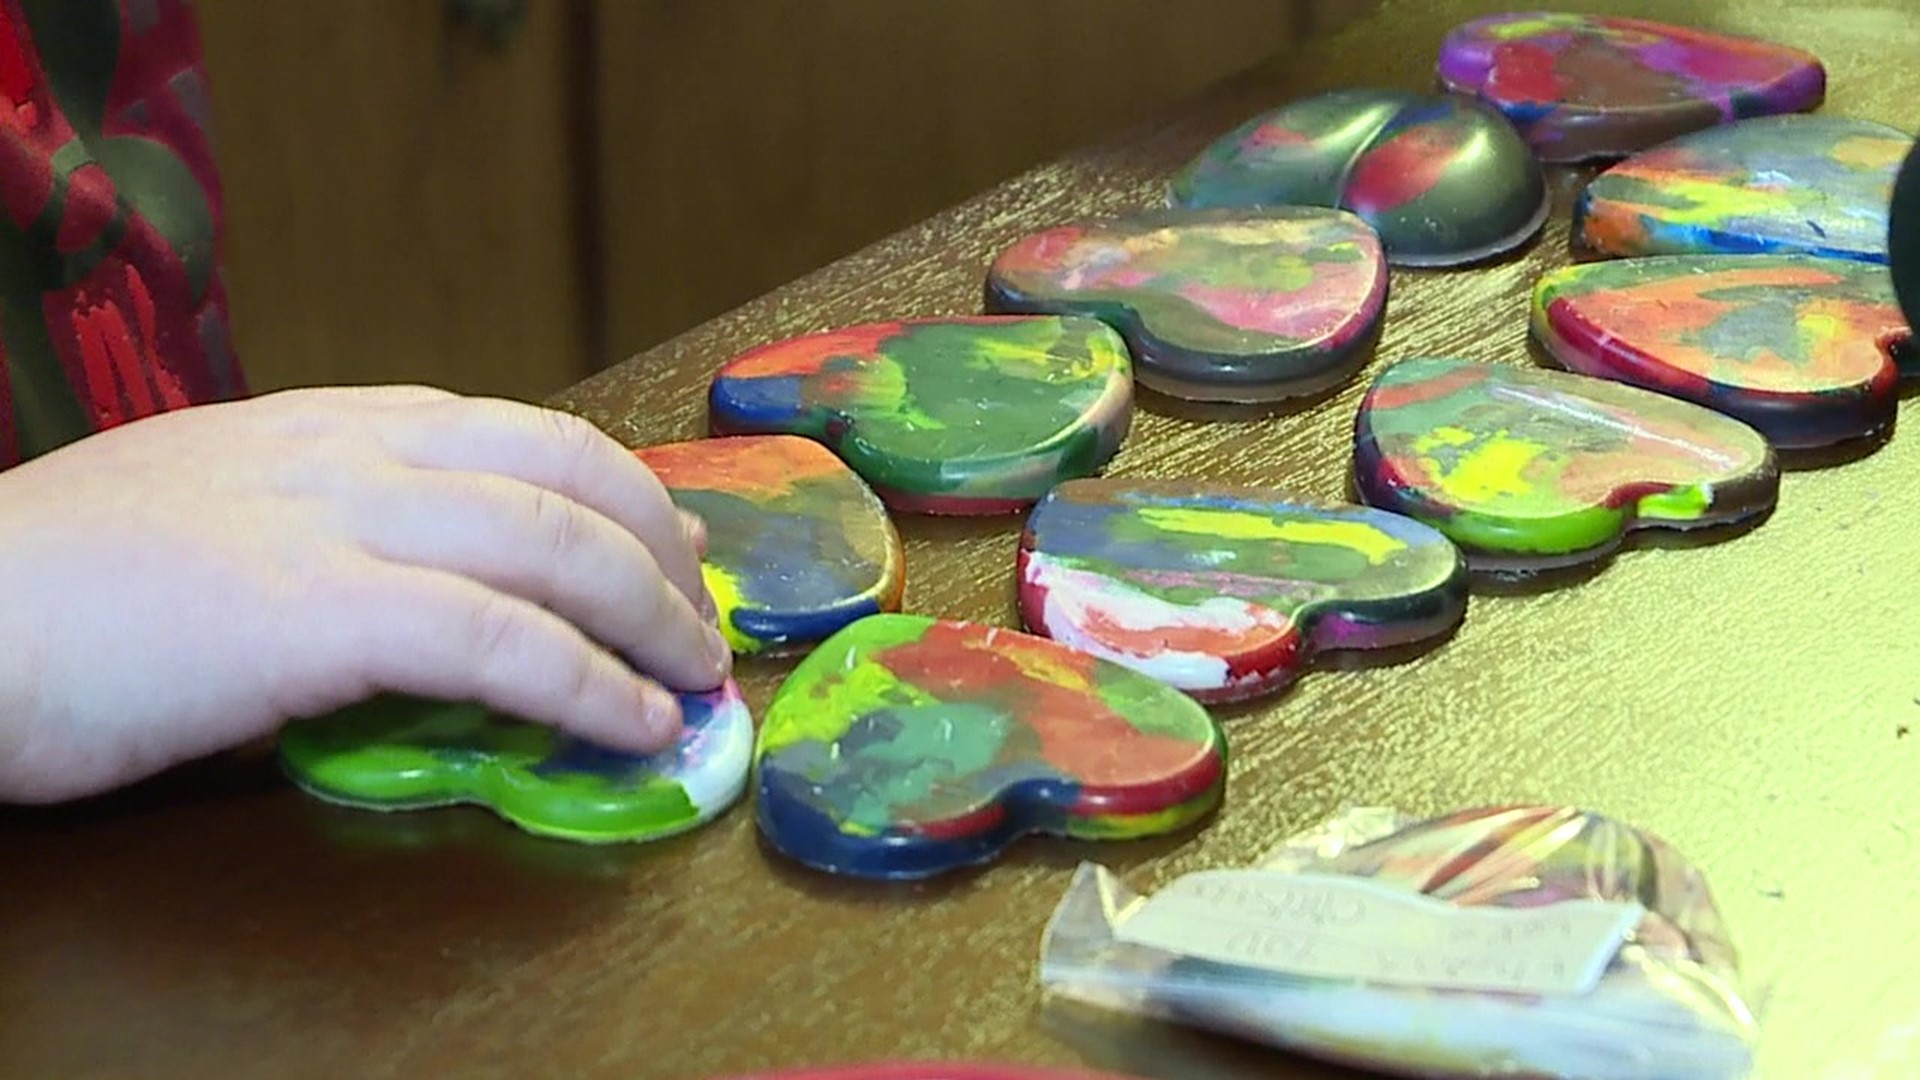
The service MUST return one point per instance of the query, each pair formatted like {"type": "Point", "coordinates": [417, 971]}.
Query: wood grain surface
{"type": "Point", "coordinates": [398, 196]}
{"type": "Point", "coordinates": [1752, 702]}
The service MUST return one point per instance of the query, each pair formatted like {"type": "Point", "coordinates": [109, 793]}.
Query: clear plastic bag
{"type": "Point", "coordinates": [1668, 1004]}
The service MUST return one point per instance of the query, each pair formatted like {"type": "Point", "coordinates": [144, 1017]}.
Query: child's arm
{"type": "Point", "coordinates": [188, 582]}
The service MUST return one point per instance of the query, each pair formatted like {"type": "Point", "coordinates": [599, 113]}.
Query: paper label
{"type": "Point", "coordinates": [1352, 929]}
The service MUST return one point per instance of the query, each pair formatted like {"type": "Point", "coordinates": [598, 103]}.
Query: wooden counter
{"type": "Point", "coordinates": [1751, 702]}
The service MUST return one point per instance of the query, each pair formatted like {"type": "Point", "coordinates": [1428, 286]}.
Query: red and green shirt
{"type": "Point", "coordinates": [111, 300]}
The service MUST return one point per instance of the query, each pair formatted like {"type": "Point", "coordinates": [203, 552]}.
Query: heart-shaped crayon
{"type": "Point", "coordinates": [403, 754]}
{"type": "Point", "coordinates": [904, 747]}
{"type": "Point", "coordinates": [1595, 86]}
{"type": "Point", "coordinates": [1442, 179]}
{"type": "Point", "coordinates": [976, 415]}
{"type": "Point", "coordinates": [1216, 305]}
{"type": "Point", "coordinates": [1808, 185]}
{"type": "Point", "coordinates": [1801, 348]}
{"type": "Point", "coordinates": [797, 545]}
{"type": "Point", "coordinates": [1228, 592]}
{"type": "Point", "coordinates": [1529, 469]}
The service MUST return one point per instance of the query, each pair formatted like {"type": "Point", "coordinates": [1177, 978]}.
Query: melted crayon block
{"type": "Point", "coordinates": [402, 754]}
{"type": "Point", "coordinates": [1597, 86]}
{"type": "Point", "coordinates": [1528, 469]}
{"type": "Point", "coordinates": [905, 747]}
{"type": "Point", "coordinates": [973, 415]}
{"type": "Point", "coordinates": [1442, 180]}
{"type": "Point", "coordinates": [1228, 593]}
{"type": "Point", "coordinates": [797, 545]}
{"type": "Point", "coordinates": [1800, 348]}
{"type": "Point", "coordinates": [1807, 185]}
{"type": "Point", "coordinates": [1216, 305]}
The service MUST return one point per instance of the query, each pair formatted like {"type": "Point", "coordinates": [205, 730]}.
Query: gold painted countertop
{"type": "Point", "coordinates": [1750, 702]}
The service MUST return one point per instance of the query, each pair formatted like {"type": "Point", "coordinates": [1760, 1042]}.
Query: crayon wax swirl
{"type": "Point", "coordinates": [797, 545]}
{"type": "Point", "coordinates": [1810, 185]}
{"type": "Point", "coordinates": [1548, 466]}
{"type": "Point", "coordinates": [1228, 592]}
{"type": "Point", "coordinates": [1215, 304]}
{"type": "Point", "coordinates": [965, 415]}
{"type": "Point", "coordinates": [1441, 179]}
{"type": "Point", "coordinates": [1801, 348]}
{"type": "Point", "coordinates": [1594, 86]}
{"type": "Point", "coordinates": [904, 747]}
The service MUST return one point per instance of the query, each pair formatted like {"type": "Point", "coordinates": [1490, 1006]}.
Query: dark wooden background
{"type": "Point", "coordinates": [411, 203]}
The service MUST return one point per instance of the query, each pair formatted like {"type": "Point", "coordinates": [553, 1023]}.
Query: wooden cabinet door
{"type": "Point", "coordinates": [746, 142]}
{"type": "Point", "coordinates": [409, 203]}
{"type": "Point", "coordinates": [401, 196]}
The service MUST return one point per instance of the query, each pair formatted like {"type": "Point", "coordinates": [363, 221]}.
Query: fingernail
{"type": "Point", "coordinates": [719, 650]}
{"type": "Point", "coordinates": [695, 531]}
{"type": "Point", "coordinates": [659, 716]}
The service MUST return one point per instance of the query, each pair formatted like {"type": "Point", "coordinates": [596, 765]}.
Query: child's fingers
{"type": "Point", "coordinates": [560, 452]}
{"type": "Point", "coordinates": [442, 636]}
{"type": "Point", "coordinates": [545, 548]}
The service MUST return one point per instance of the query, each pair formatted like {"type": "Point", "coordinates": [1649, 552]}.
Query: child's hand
{"type": "Point", "coordinates": [189, 582]}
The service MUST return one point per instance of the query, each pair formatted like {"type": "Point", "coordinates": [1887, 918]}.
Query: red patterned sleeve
{"type": "Point", "coordinates": [112, 305]}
